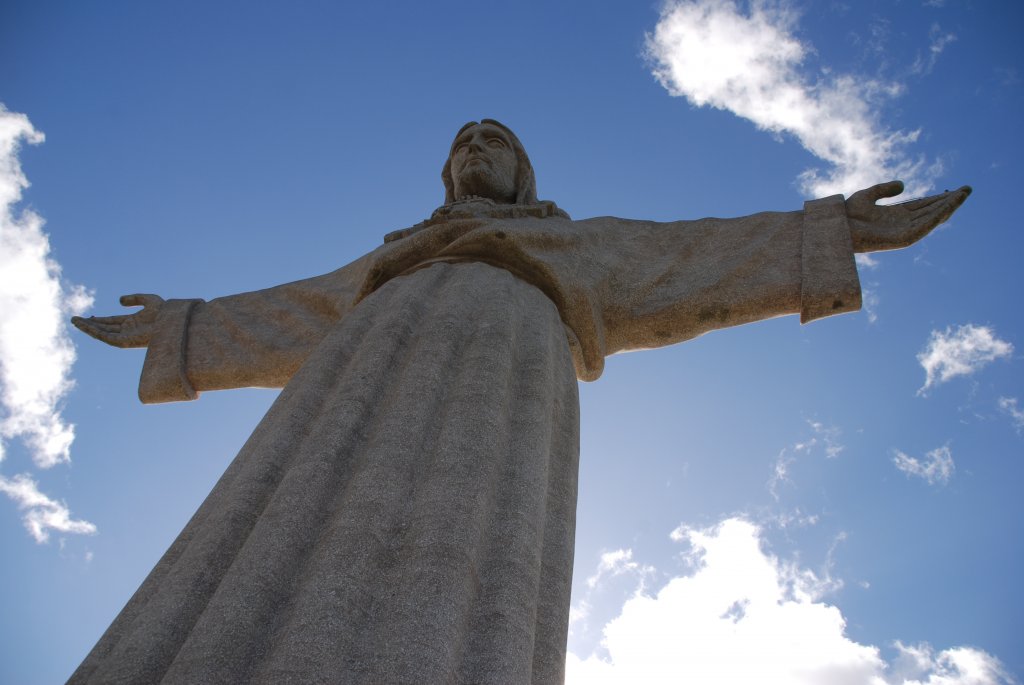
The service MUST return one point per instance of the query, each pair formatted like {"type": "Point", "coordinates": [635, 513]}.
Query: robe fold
{"type": "Point", "coordinates": [405, 511]}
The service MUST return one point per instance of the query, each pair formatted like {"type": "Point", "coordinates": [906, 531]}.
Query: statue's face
{"type": "Point", "coordinates": [484, 164]}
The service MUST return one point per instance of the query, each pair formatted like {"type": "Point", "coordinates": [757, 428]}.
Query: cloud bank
{"type": "Point", "coordinates": [744, 616]}
{"type": "Point", "coordinates": [36, 353]}
{"type": "Point", "coordinates": [959, 352]}
{"type": "Point", "coordinates": [749, 63]}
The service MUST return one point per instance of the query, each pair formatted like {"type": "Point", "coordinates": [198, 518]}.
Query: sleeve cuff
{"type": "Point", "coordinates": [829, 284]}
{"type": "Point", "coordinates": [163, 373]}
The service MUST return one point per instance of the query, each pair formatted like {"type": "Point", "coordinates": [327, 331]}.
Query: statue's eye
{"type": "Point", "coordinates": [460, 148]}
{"type": "Point", "coordinates": [496, 143]}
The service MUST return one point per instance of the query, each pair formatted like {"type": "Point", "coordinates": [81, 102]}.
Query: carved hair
{"type": "Point", "coordinates": [526, 183]}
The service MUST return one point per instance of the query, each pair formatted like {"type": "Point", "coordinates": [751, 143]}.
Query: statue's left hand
{"type": "Point", "coordinates": [890, 227]}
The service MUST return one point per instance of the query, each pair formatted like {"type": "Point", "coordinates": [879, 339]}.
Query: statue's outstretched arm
{"type": "Point", "coordinates": [125, 330]}
{"type": "Point", "coordinates": [876, 227]}
{"type": "Point", "coordinates": [661, 283]}
{"type": "Point", "coordinates": [253, 339]}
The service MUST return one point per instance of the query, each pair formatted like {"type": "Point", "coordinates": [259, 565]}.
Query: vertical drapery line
{"type": "Point", "coordinates": [343, 381]}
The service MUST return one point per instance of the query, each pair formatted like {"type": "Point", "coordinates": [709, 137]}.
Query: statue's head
{"type": "Point", "coordinates": [487, 160]}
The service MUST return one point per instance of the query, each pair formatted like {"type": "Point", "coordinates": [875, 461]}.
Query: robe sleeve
{"type": "Point", "coordinates": [655, 284]}
{"type": "Point", "coordinates": [255, 339]}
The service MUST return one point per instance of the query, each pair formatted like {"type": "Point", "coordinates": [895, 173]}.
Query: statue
{"type": "Point", "coordinates": [405, 511]}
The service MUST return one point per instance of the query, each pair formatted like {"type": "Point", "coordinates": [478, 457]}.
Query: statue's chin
{"type": "Point", "coordinates": [482, 182]}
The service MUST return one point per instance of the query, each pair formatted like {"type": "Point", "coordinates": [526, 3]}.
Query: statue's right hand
{"type": "Point", "coordinates": [126, 330]}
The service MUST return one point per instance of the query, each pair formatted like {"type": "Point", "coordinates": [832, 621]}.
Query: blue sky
{"type": "Point", "coordinates": [848, 491]}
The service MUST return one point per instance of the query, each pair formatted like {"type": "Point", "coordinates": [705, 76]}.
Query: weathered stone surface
{"type": "Point", "coordinates": [405, 512]}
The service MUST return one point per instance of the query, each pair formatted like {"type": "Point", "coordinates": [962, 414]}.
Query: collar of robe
{"type": "Point", "coordinates": [473, 207]}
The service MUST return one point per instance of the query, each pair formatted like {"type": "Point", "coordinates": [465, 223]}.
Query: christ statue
{"type": "Point", "coordinates": [405, 511]}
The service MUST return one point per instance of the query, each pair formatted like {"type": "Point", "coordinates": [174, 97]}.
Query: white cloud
{"type": "Point", "coordinates": [824, 437]}
{"type": "Point", "coordinates": [36, 353]}
{"type": "Point", "coordinates": [829, 437]}
{"type": "Point", "coordinates": [615, 563]}
{"type": "Point", "coordinates": [578, 613]}
{"type": "Point", "coordinates": [714, 54]}
{"type": "Point", "coordinates": [780, 473]}
{"type": "Point", "coordinates": [959, 352]}
{"type": "Point", "coordinates": [41, 514]}
{"type": "Point", "coordinates": [936, 467]}
{"type": "Point", "coordinates": [794, 519]}
{"type": "Point", "coordinates": [921, 665]}
{"type": "Point", "coordinates": [870, 302]}
{"type": "Point", "coordinates": [866, 261]}
{"type": "Point", "coordinates": [938, 40]}
{"type": "Point", "coordinates": [1009, 406]}
{"type": "Point", "coordinates": [744, 616]}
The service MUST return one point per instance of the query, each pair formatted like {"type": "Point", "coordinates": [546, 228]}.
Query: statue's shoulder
{"type": "Point", "coordinates": [610, 222]}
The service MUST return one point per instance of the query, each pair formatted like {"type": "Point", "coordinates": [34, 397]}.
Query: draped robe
{"type": "Point", "coordinates": [405, 511]}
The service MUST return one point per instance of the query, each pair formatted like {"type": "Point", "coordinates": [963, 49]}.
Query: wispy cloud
{"type": "Point", "coordinates": [827, 437]}
{"type": "Point", "coordinates": [792, 519]}
{"type": "Point", "coordinates": [615, 563]}
{"type": "Point", "coordinates": [938, 40]}
{"type": "Point", "coordinates": [750, 63]}
{"type": "Point", "coordinates": [823, 437]}
{"type": "Point", "coordinates": [1008, 77]}
{"type": "Point", "coordinates": [870, 301]}
{"type": "Point", "coordinates": [745, 616]}
{"type": "Point", "coordinates": [937, 466]}
{"type": "Point", "coordinates": [959, 352]}
{"type": "Point", "coordinates": [866, 261]}
{"type": "Point", "coordinates": [36, 353]}
{"type": "Point", "coordinates": [1008, 405]}
{"type": "Point", "coordinates": [780, 472]}
{"type": "Point", "coordinates": [41, 514]}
